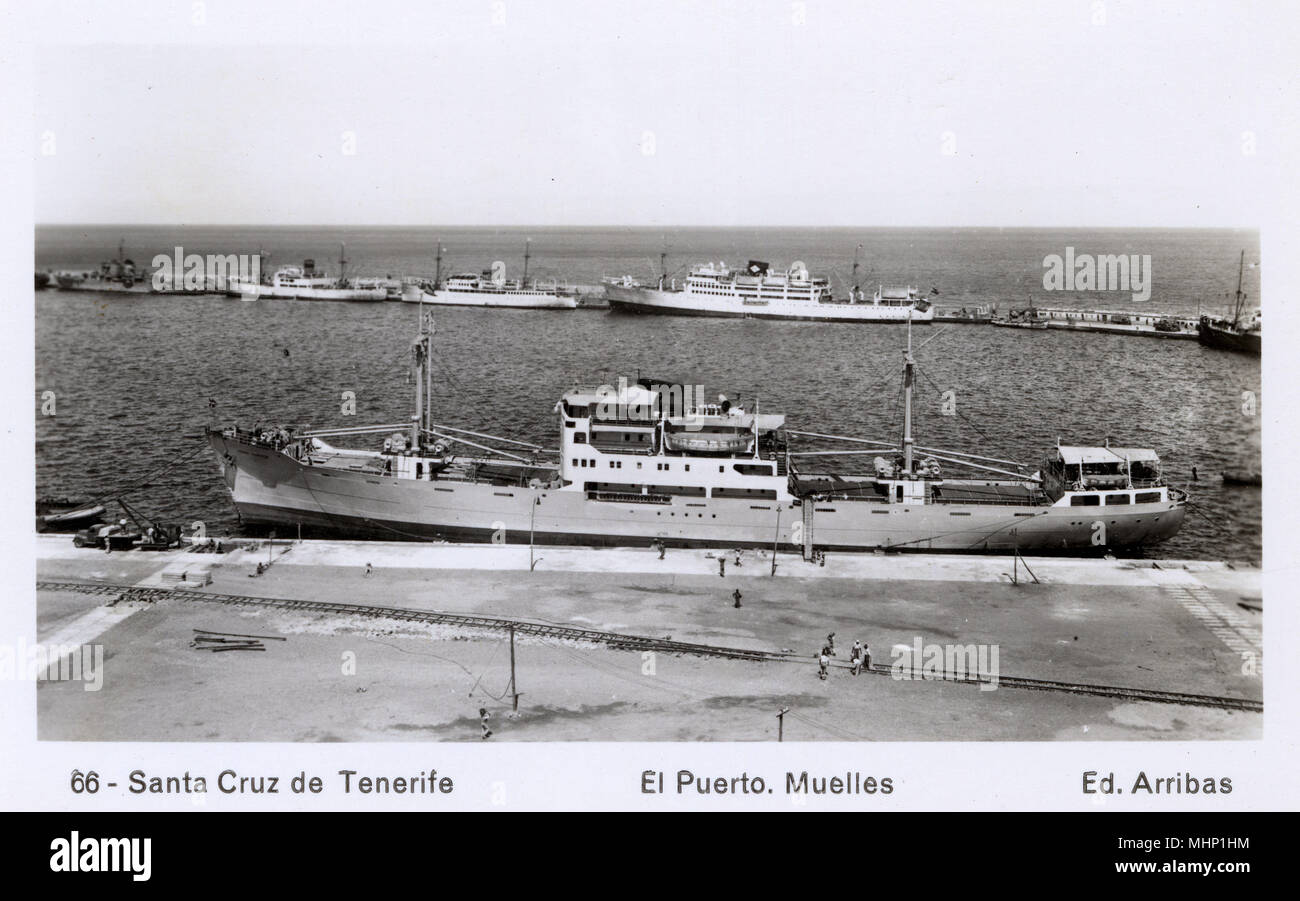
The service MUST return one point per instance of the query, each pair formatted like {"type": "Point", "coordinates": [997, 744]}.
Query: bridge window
{"type": "Point", "coordinates": [1117, 499]}
{"type": "Point", "coordinates": [1085, 500]}
{"type": "Point", "coordinates": [1147, 497]}
{"type": "Point", "coordinates": [579, 437]}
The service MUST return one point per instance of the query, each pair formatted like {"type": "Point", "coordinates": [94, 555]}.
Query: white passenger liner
{"type": "Point", "coordinates": [756, 293]}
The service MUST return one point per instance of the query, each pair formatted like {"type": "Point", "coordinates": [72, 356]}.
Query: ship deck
{"type": "Point", "coordinates": [1172, 626]}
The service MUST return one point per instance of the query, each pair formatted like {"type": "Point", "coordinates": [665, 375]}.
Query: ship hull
{"type": "Point", "coordinates": [506, 299]}
{"type": "Point", "coordinates": [1226, 339]}
{"type": "Point", "coordinates": [272, 292]}
{"type": "Point", "coordinates": [102, 286]}
{"type": "Point", "coordinates": [270, 488]}
{"type": "Point", "coordinates": [680, 303]}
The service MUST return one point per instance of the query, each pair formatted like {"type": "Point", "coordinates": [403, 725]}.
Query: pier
{"type": "Point", "coordinates": [404, 642]}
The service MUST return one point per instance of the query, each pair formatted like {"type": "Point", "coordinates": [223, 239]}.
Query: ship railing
{"type": "Point", "coordinates": [620, 447]}
{"type": "Point", "coordinates": [1034, 500]}
{"type": "Point", "coordinates": [625, 498]}
{"type": "Point", "coordinates": [1113, 483]}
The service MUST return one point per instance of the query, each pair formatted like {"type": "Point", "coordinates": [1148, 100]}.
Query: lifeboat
{"type": "Point", "coordinates": [708, 442]}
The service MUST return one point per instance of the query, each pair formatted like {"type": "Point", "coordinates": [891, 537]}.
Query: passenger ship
{"type": "Point", "coordinates": [758, 293]}
{"type": "Point", "coordinates": [643, 464]}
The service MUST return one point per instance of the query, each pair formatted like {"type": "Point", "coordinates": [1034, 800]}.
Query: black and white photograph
{"type": "Point", "coordinates": [507, 375]}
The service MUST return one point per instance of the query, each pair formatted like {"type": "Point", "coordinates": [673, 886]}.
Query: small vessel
{"type": "Point", "coordinates": [118, 276]}
{"type": "Point", "coordinates": [306, 282]}
{"type": "Point", "coordinates": [642, 463]}
{"type": "Point", "coordinates": [55, 514]}
{"type": "Point", "coordinates": [391, 287]}
{"type": "Point", "coordinates": [757, 292]}
{"type": "Point", "coordinates": [1243, 332]}
{"type": "Point", "coordinates": [42, 281]}
{"type": "Point", "coordinates": [1242, 477]}
{"type": "Point", "coordinates": [982, 314]}
{"type": "Point", "coordinates": [1021, 322]}
{"type": "Point", "coordinates": [490, 288]}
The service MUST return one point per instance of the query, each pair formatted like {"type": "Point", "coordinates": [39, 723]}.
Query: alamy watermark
{"type": "Point", "coordinates": [53, 663]}
{"type": "Point", "coordinates": [950, 662]}
{"type": "Point", "coordinates": [1105, 272]}
{"type": "Point", "coordinates": [637, 403]}
{"type": "Point", "coordinates": [199, 273]}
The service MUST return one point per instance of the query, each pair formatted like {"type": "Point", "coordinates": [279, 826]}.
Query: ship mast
{"type": "Point", "coordinates": [421, 348]}
{"type": "Point", "coordinates": [856, 285]}
{"type": "Point", "coordinates": [908, 378]}
{"type": "Point", "coordinates": [663, 264]}
{"type": "Point", "coordinates": [342, 262]}
{"type": "Point", "coordinates": [1236, 312]}
{"type": "Point", "coordinates": [437, 272]}
{"type": "Point", "coordinates": [527, 243]}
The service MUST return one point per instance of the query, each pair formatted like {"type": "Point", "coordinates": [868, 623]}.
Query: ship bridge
{"type": "Point", "coordinates": [1082, 468]}
{"type": "Point", "coordinates": [647, 438]}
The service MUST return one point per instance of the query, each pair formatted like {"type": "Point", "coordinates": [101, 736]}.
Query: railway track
{"type": "Point", "coordinates": [620, 641]}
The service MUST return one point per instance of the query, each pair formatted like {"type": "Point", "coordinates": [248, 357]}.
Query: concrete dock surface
{"type": "Point", "coordinates": [1185, 626]}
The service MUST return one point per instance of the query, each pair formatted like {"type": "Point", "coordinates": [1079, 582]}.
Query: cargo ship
{"type": "Point", "coordinates": [645, 463]}
{"type": "Point", "coordinates": [307, 282]}
{"type": "Point", "coordinates": [489, 288]}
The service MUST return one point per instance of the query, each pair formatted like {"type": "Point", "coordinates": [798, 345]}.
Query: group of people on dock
{"type": "Point", "coordinates": [859, 657]}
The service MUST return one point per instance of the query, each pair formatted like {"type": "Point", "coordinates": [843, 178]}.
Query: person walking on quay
{"type": "Point", "coordinates": [736, 596]}
{"type": "Point", "coordinates": [661, 547]}
{"type": "Point", "coordinates": [483, 717]}
{"type": "Point", "coordinates": [722, 566]}
{"type": "Point", "coordinates": [830, 644]}
{"type": "Point", "coordinates": [866, 657]}
{"type": "Point", "coordinates": [823, 665]}
{"type": "Point", "coordinates": [855, 657]}
{"type": "Point", "coordinates": [369, 569]}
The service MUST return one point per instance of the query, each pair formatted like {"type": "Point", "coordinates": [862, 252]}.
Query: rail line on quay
{"type": "Point", "coordinates": [621, 641]}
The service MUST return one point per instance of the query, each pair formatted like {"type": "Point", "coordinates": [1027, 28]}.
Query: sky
{"type": "Point", "coordinates": [678, 113]}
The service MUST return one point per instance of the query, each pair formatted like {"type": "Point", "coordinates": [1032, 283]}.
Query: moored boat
{"type": "Point", "coordinates": [757, 292]}
{"type": "Point", "coordinates": [64, 514]}
{"type": "Point", "coordinates": [1243, 332]}
{"type": "Point", "coordinates": [307, 282]}
{"type": "Point", "coordinates": [490, 288]}
{"type": "Point", "coordinates": [641, 463]}
{"type": "Point", "coordinates": [117, 276]}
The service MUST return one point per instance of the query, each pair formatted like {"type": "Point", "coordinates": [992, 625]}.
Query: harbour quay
{"type": "Point", "coordinates": [401, 641]}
